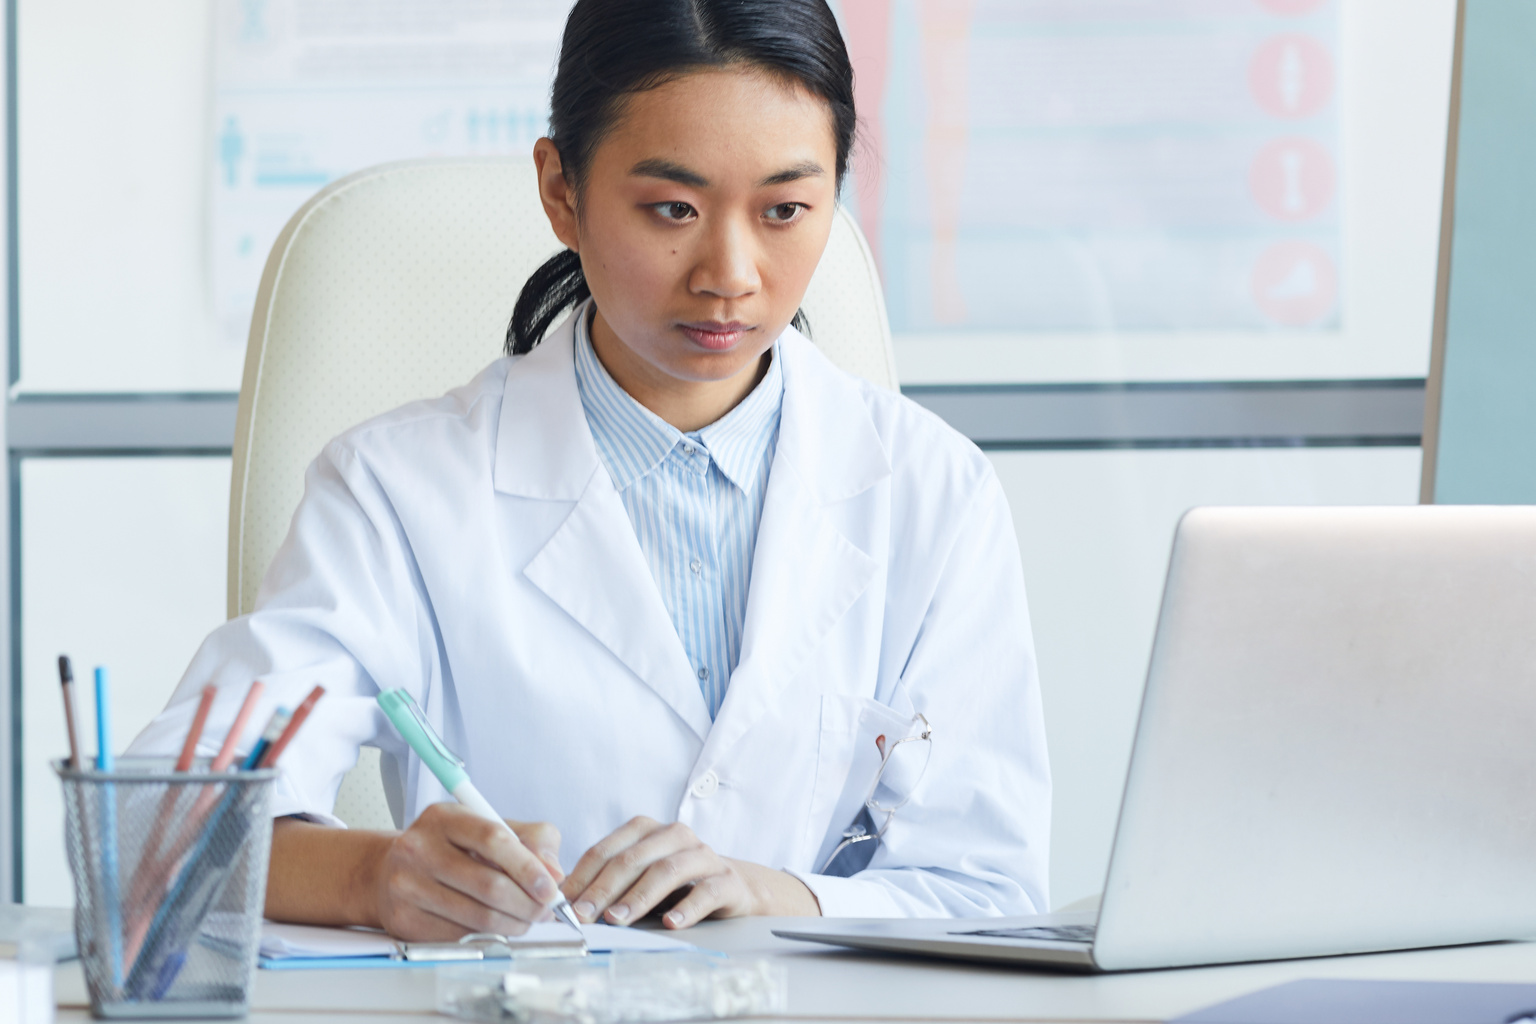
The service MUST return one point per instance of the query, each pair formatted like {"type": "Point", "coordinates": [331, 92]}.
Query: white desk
{"type": "Point", "coordinates": [829, 984]}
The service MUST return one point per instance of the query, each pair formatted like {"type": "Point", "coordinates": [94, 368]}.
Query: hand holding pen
{"type": "Point", "coordinates": [428, 875]}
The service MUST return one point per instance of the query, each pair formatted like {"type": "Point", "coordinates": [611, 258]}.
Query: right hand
{"type": "Point", "coordinates": [452, 873]}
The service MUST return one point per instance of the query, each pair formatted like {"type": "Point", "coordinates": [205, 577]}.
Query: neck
{"type": "Point", "coordinates": [687, 405]}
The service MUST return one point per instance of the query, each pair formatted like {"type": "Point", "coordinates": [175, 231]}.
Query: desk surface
{"type": "Point", "coordinates": [828, 984]}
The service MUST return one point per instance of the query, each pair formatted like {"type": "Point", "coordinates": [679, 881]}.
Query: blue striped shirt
{"type": "Point", "coordinates": [695, 501]}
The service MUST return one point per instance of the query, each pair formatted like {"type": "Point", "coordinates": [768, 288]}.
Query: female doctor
{"type": "Point", "coordinates": [673, 585]}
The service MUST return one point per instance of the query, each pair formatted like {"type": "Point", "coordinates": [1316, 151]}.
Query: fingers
{"type": "Point", "coordinates": [544, 840]}
{"type": "Point", "coordinates": [453, 872]}
{"type": "Point", "coordinates": [670, 855]}
{"type": "Point", "coordinates": [500, 848]}
{"type": "Point", "coordinates": [594, 860]}
{"type": "Point", "coordinates": [434, 911]}
{"type": "Point", "coordinates": [713, 895]}
{"type": "Point", "coordinates": [691, 867]}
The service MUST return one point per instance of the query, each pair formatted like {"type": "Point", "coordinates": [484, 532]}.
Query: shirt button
{"type": "Point", "coordinates": [697, 566]}
{"type": "Point", "coordinates": [706, 785]}
{"type": "Point", "coordinates": [703, 673]}
{"type": "Point", "coordinates": [689, 449]}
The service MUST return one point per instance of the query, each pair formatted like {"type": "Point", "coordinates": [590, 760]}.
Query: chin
{"type": "Point", "coordinates": [711, 367]}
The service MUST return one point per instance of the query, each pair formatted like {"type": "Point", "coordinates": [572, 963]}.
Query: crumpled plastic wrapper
{"type": "Point", "coordinates": [614, 989]}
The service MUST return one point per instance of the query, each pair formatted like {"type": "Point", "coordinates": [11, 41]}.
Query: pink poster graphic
{"type": "Point", "coordinates": [1089, 165]}
{"type": "Point", "coordinates": [867, 30]}
{"type": "Point", "coordinates": [946, 35]}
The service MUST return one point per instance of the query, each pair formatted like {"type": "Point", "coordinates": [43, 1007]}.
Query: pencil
{"type": "Point", "coordinates": [226, 754]}
{"type": "Point", "coordinates": [67, 683]}
{"type": "Point", "coordinates": [299, 714]}
{"type": "Point", "coordinates": [163, 942]}
{"type": "Point", "coordinates": [146, 903]}
{"type": "Point", "coordinates": [195, 731]}
{"type": "Point", "coordinates": [149, 874]}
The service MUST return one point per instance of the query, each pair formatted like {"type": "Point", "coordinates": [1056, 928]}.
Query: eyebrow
{"type": "Point", "coordinates": [669, 171]}
{"type": "Point", "coordinates": [804, 169]}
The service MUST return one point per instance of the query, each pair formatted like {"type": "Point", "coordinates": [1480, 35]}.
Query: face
{"type": "Point", "coordinates": [702, 218]}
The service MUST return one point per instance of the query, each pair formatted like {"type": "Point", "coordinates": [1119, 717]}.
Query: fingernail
{"type": "Point", "coordinates": [586, 909]}
{"type": "Point", "coordinates": [675, 919]}
{"type": "Point", "coordinates": [618, 912]}
{"type": "Point", "coordinates": [544, 888]}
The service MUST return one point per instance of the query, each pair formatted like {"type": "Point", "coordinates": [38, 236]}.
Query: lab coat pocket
{"type": "Point", "coordinates": [847, 759]}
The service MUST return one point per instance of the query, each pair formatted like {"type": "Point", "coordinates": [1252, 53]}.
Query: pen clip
{"type": "Point", "coordinates": [427, 730]}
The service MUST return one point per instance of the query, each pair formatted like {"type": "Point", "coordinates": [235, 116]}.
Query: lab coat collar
{"type": "Point", "coordinates": [825, 431]}
{"type": "Point", "coordinates": [593, 568]}
{"type": "Point", "coordinates": [545, 451]}
{"type": "Point", "coordinates": [544, 448]}
{"type": "Point", "coordinates": [806, 575]}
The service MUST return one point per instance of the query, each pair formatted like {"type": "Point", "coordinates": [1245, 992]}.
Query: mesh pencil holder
{"type": "Point", "coordinates": [170, 873]}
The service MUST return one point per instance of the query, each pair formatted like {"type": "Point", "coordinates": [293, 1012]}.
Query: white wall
{"type": "Point", "coordinates": [112, 147]}
{"type": "Point", "coordinates": [1095, 529]}
{"type": "Point", "coordinates": [122, 564]}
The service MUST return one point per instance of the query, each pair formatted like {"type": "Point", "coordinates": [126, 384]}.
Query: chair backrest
{"type": "Point", "coordinates": [396, 283]}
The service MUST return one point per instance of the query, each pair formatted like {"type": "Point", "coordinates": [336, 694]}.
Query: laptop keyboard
{"type": "Point", "coordinates": [1050, 933]}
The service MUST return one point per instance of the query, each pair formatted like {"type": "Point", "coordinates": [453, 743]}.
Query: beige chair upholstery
{"type": "Point", "coordinates": [396, 283]}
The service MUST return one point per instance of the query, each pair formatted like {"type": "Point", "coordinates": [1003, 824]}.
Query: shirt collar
{"type": "Point", "coordinates": [743, 437]}
{"type": "Point", "coordinates": [632, 441]}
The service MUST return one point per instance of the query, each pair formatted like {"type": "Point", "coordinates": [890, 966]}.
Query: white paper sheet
{"type": "Point", "coordinates": [289, 941]}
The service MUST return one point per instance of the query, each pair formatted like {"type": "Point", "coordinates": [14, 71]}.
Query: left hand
{"type": "Point", "coordinates": [625, 876]}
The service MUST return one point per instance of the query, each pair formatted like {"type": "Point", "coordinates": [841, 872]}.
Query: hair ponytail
{"type": "Point", "coordinates": [555, 287]}
{"type": "Point", "coordinates": [612, 49]}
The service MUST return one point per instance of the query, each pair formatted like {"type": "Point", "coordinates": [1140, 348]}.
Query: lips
{"type": "Point", "coordinates": [714, 335]}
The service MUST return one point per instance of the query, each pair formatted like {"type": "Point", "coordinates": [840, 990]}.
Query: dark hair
{"type": "Point", "coordinates": [615, 48]}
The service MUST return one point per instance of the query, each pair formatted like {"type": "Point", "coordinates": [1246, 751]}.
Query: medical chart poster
{"type": "Point", "coordinates": [1110, 190]}
{"type": "Point", "coordinates": [308, 91]}
{"type": "Point", "coordinates": [1090, 165]}
{"type": "Point", "coordinates": [1053, 189]}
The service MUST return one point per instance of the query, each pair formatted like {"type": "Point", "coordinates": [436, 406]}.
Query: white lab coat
{"type": "Point", "coordinates": [473, 550]}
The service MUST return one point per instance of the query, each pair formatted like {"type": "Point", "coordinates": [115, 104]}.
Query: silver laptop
{"type": "Point", "coordinates": [1336, 751]}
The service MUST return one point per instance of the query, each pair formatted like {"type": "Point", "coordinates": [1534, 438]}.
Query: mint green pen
{"type": "Point", "coordinates": [407, 717]}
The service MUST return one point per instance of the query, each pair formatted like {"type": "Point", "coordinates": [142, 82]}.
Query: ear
{"type": "Point", "coordinates": [557, 195]}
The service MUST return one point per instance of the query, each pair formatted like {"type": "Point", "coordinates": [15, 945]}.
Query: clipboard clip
{"type": "Point", "coordinates": [486, 946]}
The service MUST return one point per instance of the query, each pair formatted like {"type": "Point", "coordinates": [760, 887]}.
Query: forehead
{"type": "Point", "coordinates": [732, 122]}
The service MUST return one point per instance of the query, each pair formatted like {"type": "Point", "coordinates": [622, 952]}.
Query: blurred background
{"type": "Point", "coordinates": [1149, 254]}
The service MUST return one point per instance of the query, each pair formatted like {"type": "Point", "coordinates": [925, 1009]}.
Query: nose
{"type": "Point", "coordinates": [727, 265]}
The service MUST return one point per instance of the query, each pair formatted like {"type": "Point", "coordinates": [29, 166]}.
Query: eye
{"type": "Point", "coordinates": [677, 212]}
{"type": "Point", "coordinates": [784, 212]}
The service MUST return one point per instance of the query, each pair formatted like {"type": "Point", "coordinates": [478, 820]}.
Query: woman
{"type": "Point", "coordinates": [671, 583]}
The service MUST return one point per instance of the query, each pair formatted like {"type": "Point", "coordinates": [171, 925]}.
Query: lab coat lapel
{"type": "Point", "coordinates": [592, 566]}
{"type": "Point", "coordinates": [806, 574]}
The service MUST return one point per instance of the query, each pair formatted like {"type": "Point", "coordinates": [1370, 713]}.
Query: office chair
{"type": "Point", "coordinates": [396, 283]}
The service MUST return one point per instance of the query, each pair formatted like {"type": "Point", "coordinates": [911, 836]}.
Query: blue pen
{"type": "Point", "coordinates": [109, 869]}
{"type": "Point", "coordinates": [275, 726]}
